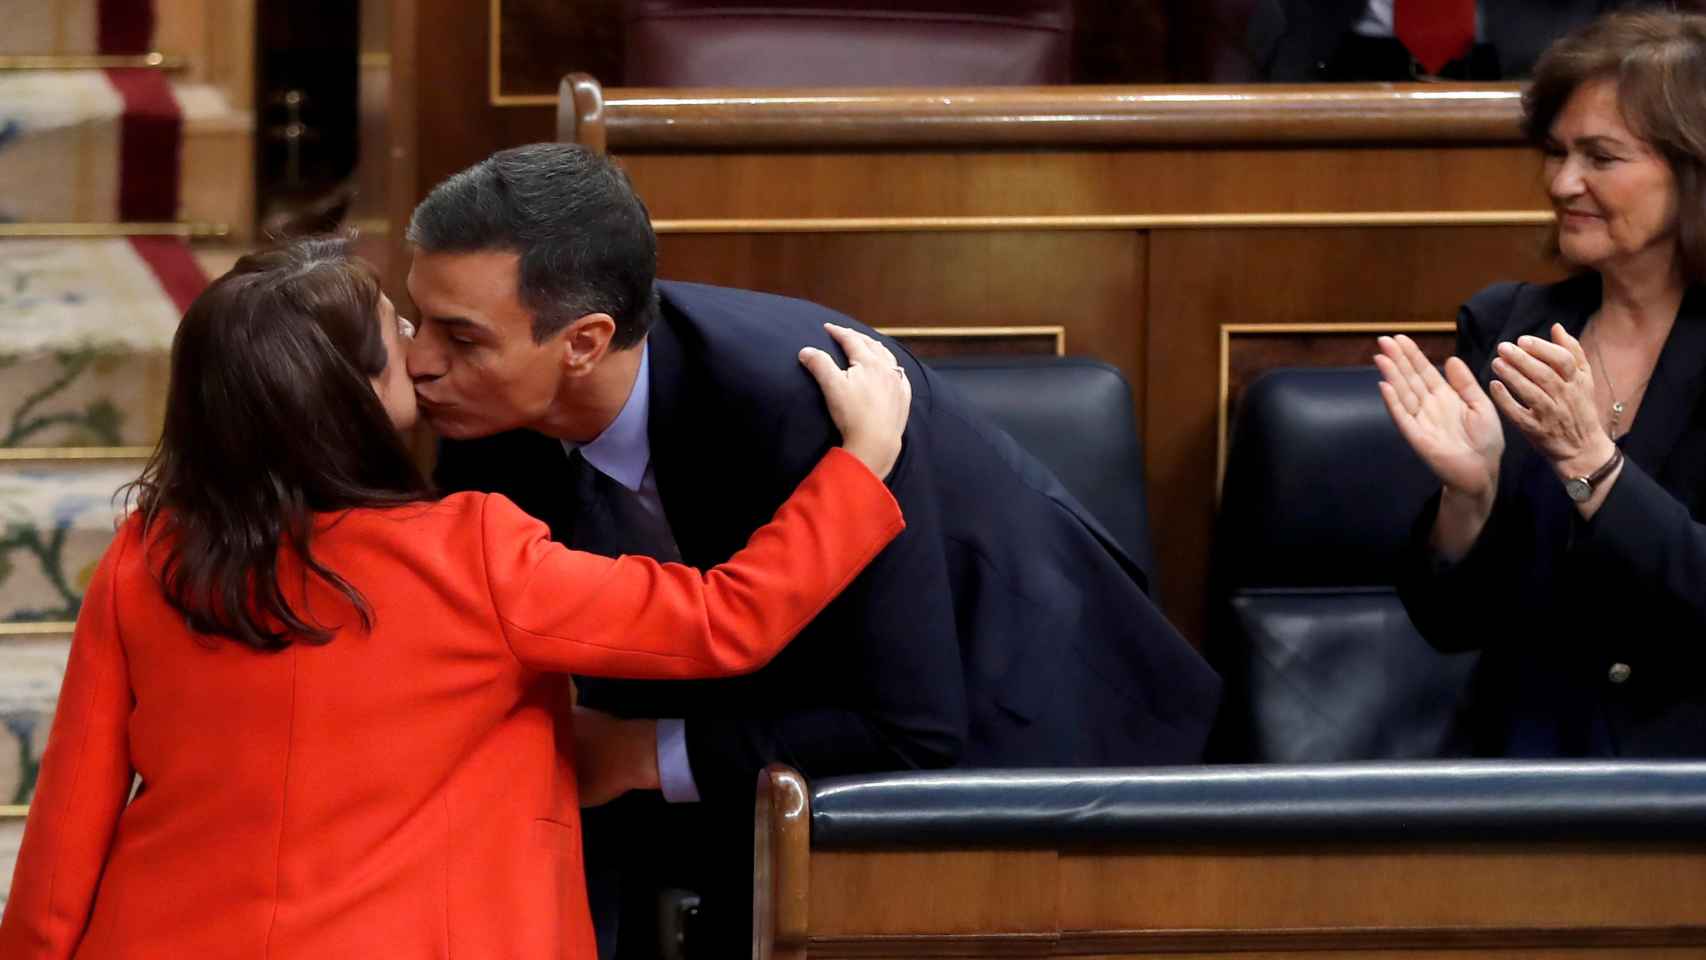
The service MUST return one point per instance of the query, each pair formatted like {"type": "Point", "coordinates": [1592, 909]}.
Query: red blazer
{"type": "Point", "coordinates": [407, 791]}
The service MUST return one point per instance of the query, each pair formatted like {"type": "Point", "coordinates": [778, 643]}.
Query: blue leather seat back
{"type": "Point", "coordinates": [1321, 661]}
{"type": "Point", "coordinates": [1075, 416]}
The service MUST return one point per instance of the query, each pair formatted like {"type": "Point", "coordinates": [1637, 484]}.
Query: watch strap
{"type": "Point", "coordinates": [1595, 478]}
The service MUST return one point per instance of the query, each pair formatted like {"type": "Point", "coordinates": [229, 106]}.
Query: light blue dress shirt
{"type": "Point", "coordinates": [623, 452]}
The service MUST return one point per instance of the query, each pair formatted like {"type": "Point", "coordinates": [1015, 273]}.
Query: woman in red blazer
{"type": "Point", "coordinates": [343, 700]}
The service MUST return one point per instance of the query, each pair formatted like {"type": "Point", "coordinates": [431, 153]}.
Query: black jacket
{"type": "Point", "coordinates": [1556, 603]}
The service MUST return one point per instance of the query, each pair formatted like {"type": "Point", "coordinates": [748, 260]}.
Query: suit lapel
{"type": "Point", "coordinates": [1670, 406]}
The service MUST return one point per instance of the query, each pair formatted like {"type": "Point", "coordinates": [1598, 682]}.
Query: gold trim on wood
{"type": "Point", "coordinates": [189, 231]}
{"type": "Point", "coordinates": [92, 61]}
{"type": "Point", "coordinates": [52, 454]}
{"type": "Point", "coordinates": [45, 628]}
{"type": "Point", "coordinates": [494, 57]}
{"type": "Point", "coordinates": [14, 811]}
{"type": "Point", "coordinates": [1188, 221]}
{"type": "Point", "coordinates": [1228, 330]}
{"type": "Point", "coordinates": [989, 333]}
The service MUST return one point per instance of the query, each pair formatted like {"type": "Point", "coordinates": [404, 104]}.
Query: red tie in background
{"type": "Point", "coordinates": [1435, 32]}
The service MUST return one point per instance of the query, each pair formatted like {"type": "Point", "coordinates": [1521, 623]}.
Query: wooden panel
{"type": "Point", "coordinates": [898, 892]}
{"type": "Point", "coordinates": [1388, 901]}
{"type": "Point", "coordinates": [1369, 887]}
{"type": "Point", "coordinates": [1084, 183]}
{"type": "Point", "coordinates": [1615, 952]}
{"type": "Point", "coordinates": [1212, 277]}
{"type": "Point", "coordinates": [459, 124]}
{"type": "Point", "coordinates": [1226, 948]}
{"type": "Point", "coordinates": [540, 40]}
{"type": "Point", "coordinates": [1091, 282]}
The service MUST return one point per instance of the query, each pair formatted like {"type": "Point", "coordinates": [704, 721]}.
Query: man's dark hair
{"type": "Point", "coordinates": [584, 238]}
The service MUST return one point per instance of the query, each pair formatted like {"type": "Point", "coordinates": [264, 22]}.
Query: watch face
{"type": "Point", "coordinates": [1579, 489]}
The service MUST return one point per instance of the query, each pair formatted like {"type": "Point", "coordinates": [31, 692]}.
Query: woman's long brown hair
{"type": "Point", "coordinates": [271, 420]}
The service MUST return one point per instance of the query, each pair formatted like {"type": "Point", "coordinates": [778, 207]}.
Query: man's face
{"type": "Point", "coordinates": [474, 364]}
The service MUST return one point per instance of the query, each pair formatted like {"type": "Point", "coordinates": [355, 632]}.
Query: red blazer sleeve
{"type": "Point", "coordinates": [634, 617]}
{"type": "Point", "coordinates": [84, 782]}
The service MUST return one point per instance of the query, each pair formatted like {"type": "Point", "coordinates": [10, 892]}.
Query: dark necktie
{"type": "Point", "coordinates": [611, 520]}
{"type": "Point", "coordinates": [1435, 32]}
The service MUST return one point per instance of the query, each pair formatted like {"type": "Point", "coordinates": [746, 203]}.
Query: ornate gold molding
{"type": "Point", "coordinates": [494, 68]}
{"type": "Point", "coordinates": [973, 333]}
{"type": "Point", "coordinates": [1188, 221]}
{"type": "Point", "coordinates": [1230, 330]}
{"type": "Point", "coordinates": [45, 628]}
{"type": "Point", "coordinates": [91, 61]}
{"type": "Point", "coordinates": [53, 454]}
{"type": "Point", "coordinates": [189, 231]}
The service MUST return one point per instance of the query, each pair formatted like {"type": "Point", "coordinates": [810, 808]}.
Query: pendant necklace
{"type": "Point", "coordinates": [1617, 406]}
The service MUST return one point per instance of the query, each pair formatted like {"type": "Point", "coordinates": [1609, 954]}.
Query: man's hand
{"type": "Point", "coordinates": [613, 756]}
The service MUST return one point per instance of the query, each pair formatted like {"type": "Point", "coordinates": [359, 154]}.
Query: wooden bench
{"type": "Point", "coordinates": [1354, 862]}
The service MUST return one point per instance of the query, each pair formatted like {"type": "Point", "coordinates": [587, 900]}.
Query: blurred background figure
{"type": "Point", "coordinates": [1297, 41]}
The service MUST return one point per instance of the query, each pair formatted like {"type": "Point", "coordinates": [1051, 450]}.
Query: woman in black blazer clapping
{"type": "Point", "coordinates": [1568, 433]}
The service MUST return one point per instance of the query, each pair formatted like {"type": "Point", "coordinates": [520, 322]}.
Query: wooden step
{"type": "Point", "coordinates": [75, 27]}
{"type": "Point", "coordinates": [63, 134]}
{"type": "Point", "coordinates": [86, 330]}
{"type": "Point", "coordinates": [212, 41]}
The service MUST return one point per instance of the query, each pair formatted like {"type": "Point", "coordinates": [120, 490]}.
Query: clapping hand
{"type": "Point", "coordinates": [1448, 421]}
{"type": "Point", "coordinates": [1546, 388]}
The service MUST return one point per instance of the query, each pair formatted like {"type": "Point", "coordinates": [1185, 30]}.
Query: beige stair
{"type": "Point", "coordinates": [85, 330]}
{"type": "Point", "coordinates": [212, 39]}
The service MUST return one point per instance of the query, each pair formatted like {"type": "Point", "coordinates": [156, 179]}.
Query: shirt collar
{"type": "Point", "coordinates": [623, 451]}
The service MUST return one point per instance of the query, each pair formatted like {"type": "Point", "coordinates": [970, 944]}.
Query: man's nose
{"type": "Point", "coordinates": [425, 357]}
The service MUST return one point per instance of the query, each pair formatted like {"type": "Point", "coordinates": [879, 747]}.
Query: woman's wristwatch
{"type": "Point", "coordinates": [1581, 489]}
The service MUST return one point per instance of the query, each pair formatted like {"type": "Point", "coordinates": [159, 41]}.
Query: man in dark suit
{"type": "Point", "coordinates": [1295, 41]}
{"type": "Point", "coordinates": [1003, 628]}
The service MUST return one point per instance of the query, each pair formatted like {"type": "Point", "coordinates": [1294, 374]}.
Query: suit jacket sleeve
{"type": "Point", "coordinates": [84, 782]}
{"type": "Point", "coordinates": [1645, 530]}
{"type": "Point", "coordinates": [634, 617]}
{"type": "Point", "coordinates": [901, 703]}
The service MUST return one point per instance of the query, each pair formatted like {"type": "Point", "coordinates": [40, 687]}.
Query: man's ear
{"type": "Point", "coordinates": [585, 342]}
